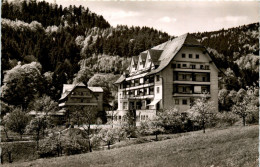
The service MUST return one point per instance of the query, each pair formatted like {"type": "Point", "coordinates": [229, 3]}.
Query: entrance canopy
{"type": "Point", "coordinates": [154, 102]}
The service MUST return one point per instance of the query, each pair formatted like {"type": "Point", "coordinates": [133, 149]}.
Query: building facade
{"type": "Point", "coordinates": [81, 95]}
{"type": "Point", "coordinates": [172, 74]}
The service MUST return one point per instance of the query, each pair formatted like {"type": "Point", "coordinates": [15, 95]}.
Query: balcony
{"type": "Point", "coordinates": [191, 82]}
{"type": "Point", "coordinates": [143, 96]}
{"type": "Point", "coordinates": [80, 95]}
{"type": "Point", "coordinates": [187, 94]}
{"type": "Point", "coordinates": [139, 86]}
{"type": "Point", "coordinates": [191, 94]}
{"type": "Point", "coordinates": [190, 69]}
{"type": "Point", "coordinates": [78, 104]}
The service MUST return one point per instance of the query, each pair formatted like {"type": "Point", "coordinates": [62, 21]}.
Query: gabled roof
{"type": "Point", "coordinates": [171, 48]}
{"type": "Point", "coordinates": [68, 88]}
{"type": "Point", "coordinates": [120, 79]}
{"type": "Point", "coordinates": [163, 54]}
{"type": "Point", "coordinates": [96, 89]}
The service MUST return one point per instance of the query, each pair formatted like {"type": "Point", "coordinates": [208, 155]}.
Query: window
{"type": "Point", "coordinates": [141, 92]}
{"type": "Point", "coordinates": [179, 65]}
{"type": "Point", "coordinates": [125, 105]}
{"type": "Point", "coordinates": [203, 79]}
{"type": "Point", "coordinates": [151, 91]}
{"type": "Point", "coordinates": [81, 100]}
{"type": "Point", "coordinates": [190, 56]}
{"type": "Point", "coordinates": [201, 66]}
{"type": "Point", "coordinates": [183, 76]}
{"type": "Point", "coordinates": [158, 89]}
{"type": "Point", "coordinates": [183, 55]}
{"type": "Point", "coordinates": [184, 102]}
{"type": "Point", "coordinates": [177, 101]}
{"type": "Point", "coordinates": [173, 65]}
{"type": "Point", "coordinates": [193, 66]}
{"type": "Point", "coordinates": [119, 117]}
{"type": "Point", "coordinates": [184, 89]}
{"type": "Point", "coordinates": [197, 56]}
{"type": "Point", "coordinates": [207, 67]}
{"type": "Point", "coordinates": [157, 77]}
{"type": "Point", "coordinates": [184, 65]}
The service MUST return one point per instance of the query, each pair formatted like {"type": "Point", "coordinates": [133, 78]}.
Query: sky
{"type": "Point", "coordinates": [174, 17]}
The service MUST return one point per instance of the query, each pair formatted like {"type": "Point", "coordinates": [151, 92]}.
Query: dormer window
{"type": "Point", "coordinates": [183, 55]}
{"type": "Point", "coordinates": [190, 56]}
{"type": "Point", "coordinates": [197, 56]}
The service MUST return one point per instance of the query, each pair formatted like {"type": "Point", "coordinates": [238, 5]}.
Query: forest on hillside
{"type": "Point", "coordinates": [72, 44]}
{"type": "Point", "coordinates": [236, 52]}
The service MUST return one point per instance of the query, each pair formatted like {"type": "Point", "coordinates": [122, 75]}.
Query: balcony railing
{"type": "Point", "coordinates": [192, 79]}
{"type": "Point", "coordinates": [190, 67]}
{"type": "Point", "coordinates": [133, 96]}
{"type": "Point", "coordinates": [190, 92]}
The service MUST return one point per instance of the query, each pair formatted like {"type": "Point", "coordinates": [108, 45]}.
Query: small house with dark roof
{"type": "Point", "coordinates": [172, 74]}
{"type": "Point", "coordinates": [81, 95]}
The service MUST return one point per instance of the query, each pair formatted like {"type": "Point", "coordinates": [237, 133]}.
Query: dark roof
{"type": "Point", "coordinates": [143, 56]}
{"type": "Point", "coordinates": [135, 58]}
{"type": "Point", "coordinates": [68, 88]}
{"type": "Point", "coordinates": [155, 54]}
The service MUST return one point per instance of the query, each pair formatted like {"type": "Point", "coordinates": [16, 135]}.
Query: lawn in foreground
{"type": "Point", "coordinates": [236, 146]}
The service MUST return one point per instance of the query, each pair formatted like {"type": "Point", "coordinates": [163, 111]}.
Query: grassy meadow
{"type": "Point", "coordinates": [235, 146]}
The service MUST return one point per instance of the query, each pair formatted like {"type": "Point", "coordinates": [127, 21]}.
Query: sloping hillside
{"type": "Point", "coordinates": [60, 37]}
{"type": "Point", "coordinates": [236, 146]}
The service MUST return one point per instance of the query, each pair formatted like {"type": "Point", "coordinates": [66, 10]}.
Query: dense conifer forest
{"type": "Point", "coordinates": [72, 42]}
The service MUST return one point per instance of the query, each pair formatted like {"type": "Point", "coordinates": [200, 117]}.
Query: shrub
{"type": "Point", "coordinates": [253, 118]}
{"type": "Point", "coordinates": [71, 147]}
{"type": "Point", "coordinates": [48, 148]}
{"type": "Point", "coordinates": [174, 121]}
{"type": "Point", "coordinates": [229, 118]}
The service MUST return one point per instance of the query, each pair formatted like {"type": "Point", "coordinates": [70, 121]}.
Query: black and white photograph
{"type": "Point", "coordinates": [123, 83]}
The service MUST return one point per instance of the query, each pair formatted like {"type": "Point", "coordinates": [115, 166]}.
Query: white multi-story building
{"type": "Point", "coordinates": [169, 75]}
